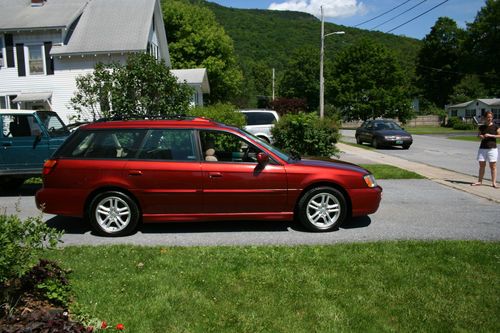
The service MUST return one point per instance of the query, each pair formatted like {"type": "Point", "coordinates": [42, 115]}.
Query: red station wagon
{"type": "Point", "coordinates": [118, 173]}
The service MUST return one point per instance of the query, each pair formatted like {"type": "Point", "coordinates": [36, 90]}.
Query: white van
{"type": "Point", "coordinates": [260, 123]}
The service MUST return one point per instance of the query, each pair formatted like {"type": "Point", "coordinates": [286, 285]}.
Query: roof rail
{"type": "Point", "coordinates": [150, 117]}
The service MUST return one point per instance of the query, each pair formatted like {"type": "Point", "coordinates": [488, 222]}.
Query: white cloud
{"type": "Point", "coordinates": [331, 8]}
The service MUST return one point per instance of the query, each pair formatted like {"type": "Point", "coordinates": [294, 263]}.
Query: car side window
{"type": "Point", "coordinates": [227, 147]}
{"type": "Point", "coordinates": [115, 144]}
{"type": "Point", "coordinates": [259, 118]}
{"type": "Point", "coordinates": [20, 126]}
{"type": "Point", "coordinates": [169, 144]}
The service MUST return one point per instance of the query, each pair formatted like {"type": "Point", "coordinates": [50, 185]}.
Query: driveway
{"type": "Point", "coordinates": [410, 209]}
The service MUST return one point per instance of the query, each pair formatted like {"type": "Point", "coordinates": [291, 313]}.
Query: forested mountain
{"type": "Point", "coordinates": [272, 36]}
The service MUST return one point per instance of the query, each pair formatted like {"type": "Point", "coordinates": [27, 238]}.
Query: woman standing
{"type": "Point", "coordinates": [489, 132]}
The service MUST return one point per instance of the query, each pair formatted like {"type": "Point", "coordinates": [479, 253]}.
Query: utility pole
{"type": "Point", "coordinates": [321, 77]}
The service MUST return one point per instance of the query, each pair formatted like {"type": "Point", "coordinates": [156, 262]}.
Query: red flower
{"type": "Point", "coordinates": [104, 325]}
{"type": "Point", "coordinates": [120, 327]}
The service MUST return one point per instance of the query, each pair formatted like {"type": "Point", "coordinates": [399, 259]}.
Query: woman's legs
{"type": "Point", "coordinates": [493, 167]}
{"type": "Point", "coordinates": [482, 166]}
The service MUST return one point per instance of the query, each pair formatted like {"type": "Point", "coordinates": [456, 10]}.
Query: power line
{"type": "Point", "coordinates": [392, 18]}
{"type": "Point", "coordinates": [387, 12]}
{"type": "Point", "coordinates": [416, 17]}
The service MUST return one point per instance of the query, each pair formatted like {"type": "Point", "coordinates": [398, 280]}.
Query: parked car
{"type": "Point", "coordinates": [118, 173]}
{"type": "Point", "coordinates": [28, 139]}
{"type": "Point", "coordinates": [260, 123]}
{"type": "Point", "coordinates": [382, 133]}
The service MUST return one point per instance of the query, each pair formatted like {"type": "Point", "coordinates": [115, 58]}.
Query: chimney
{"type": "Point", "coordinates": [37, 3]}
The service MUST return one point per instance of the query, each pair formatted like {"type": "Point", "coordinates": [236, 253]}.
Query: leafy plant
{"type": "Point", "coordinates": [224, 113]}
{"type": "Point", "coordinates": [46, 280]}
{"type": "Point", "coordinates": [21, 243]}
{"type": "Point", "coordinates": [306, 134]}
{"type": "Point", "coordinates": [141, 88]}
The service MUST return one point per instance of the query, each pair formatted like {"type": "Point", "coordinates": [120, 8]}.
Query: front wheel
{"type": "Point", "coordinates": [114, 214]}
{"type": "Point", "coordinates": [322, 209]}
{"type": "Point", "coordinates": [375, 143]}
{"type": "Point", "coordinates": [406, 146]}
{"type": "Point", "coordinates": [358, 140]}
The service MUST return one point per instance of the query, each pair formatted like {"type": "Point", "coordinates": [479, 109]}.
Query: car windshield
{"type": "Point", "coordinates": [264, 143]}
{"type": "Point", "coordinates": [53, 124]}
{"type": "Point", "coordinates": [388, 125]}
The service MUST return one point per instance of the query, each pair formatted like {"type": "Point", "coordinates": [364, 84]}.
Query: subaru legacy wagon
{"type": "Point", "coordinates": [117, 174]}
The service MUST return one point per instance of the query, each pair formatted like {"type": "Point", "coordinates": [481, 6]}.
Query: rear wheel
{"type": "Point", "coordinates": [113, 213]}
{"type": "Point", "coordinates": [375, 143]}
{"type": "Point", "coordinates": [358, 140]}
{"type": "Point", "coordinates": [322, 209]}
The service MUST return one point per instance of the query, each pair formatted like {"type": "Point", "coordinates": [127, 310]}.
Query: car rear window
{"type": "Point", "coordinates": [259, 118]}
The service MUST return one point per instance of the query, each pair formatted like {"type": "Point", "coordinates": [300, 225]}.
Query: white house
{"type": "Point", "coordinates": [475, 108]}
{"type": "Point", "coordinates": [46, 44]}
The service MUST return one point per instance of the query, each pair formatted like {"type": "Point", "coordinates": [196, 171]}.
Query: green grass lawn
{"type": "Point", "coordinates": [474, 138]}
{"type": "Point", "coordinates": [406, 286]}
{"type": "Point", "coordinates": [435, 130]}
{"type": "Point", "coordinates": [385, 171]}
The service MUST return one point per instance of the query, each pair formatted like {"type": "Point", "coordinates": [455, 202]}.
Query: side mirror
{"type": "Point", "coordinates": [262, 158]}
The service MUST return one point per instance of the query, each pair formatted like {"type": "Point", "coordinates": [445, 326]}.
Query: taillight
{"type": "Point", "coordinates": [48, 166]}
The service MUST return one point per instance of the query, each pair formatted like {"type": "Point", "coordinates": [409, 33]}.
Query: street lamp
{"type": "Point", "coordinates": [321, 78]}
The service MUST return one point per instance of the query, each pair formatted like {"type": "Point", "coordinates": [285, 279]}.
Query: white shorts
{"type": "Point", "coordinates": [487, 155]}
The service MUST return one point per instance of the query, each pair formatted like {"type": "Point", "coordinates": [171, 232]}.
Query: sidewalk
{"type": "Point", "coordinates": [445, 177]}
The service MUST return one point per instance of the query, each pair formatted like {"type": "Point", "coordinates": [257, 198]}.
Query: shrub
{"type": "Point", "coordinates": [21, 243]}
{"type": "Point", "coordinates": [224, 113]}
{"type": "Point", "coordinates": [288, 105]}
{"type": "Point", "coordinates": [306, 134]}
{"type": "Point", "coordinates": [48, 281]}
{"type": "Point", "coordinates": [458, 124]}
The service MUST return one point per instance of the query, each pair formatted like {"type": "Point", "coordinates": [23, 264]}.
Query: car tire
{"type": "Point", "coordinates": [375, 143]}
{"type": "Point", "coordinates": [406, 146]}
{"type": "Point", "coordinates": [265, 139]}
{"type": "Point", "coordinates": [322, 209]}
{"type": "Point", "coordinates": [113, 214]}
{"type": "Point", "coordinates": [358, 140]}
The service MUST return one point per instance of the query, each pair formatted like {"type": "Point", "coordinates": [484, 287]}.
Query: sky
{"type": "Point", "coordinates": [355, 12]}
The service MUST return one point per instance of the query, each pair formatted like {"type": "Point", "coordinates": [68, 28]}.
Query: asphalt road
{"type": "Point", "coordinates": [410, 209]}
{"type": "Point", "coordinates": [435, 150]}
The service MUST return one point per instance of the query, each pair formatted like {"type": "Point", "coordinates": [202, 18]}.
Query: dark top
{"type": "Point", "coordinates": [488, 143]}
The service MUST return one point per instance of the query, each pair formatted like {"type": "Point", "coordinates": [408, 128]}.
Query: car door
{"type": "Point", "coordinates": [24, 145]}
{"type": "Point", "coordinates": [165, 174]}
{"type": "Point", "coordinates": [233, 181]}
{"type": "Point", "coordinates": [368, 132]}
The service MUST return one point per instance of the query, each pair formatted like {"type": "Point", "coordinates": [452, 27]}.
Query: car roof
{"type": "Point", "coordinates": [197, 122]}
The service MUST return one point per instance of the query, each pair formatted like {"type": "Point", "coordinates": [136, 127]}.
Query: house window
{"type": "Point", "coordinates": [454, 113]}
{"type": "Point", "coordinates": [469, 113]}
{"type": "Point", "coordinates": [496, 113]}
{"type": "Point", "coordinates": [3, 104]}
{"type": "Point", "coordinates": [35, 60]}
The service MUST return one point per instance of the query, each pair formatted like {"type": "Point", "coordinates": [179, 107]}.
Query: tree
{"type": "Point", "coordinates": [483, 46]}
{"type": "Point", "coordinates": [469, 88]}
{"type": "Point", "coordinates": [438, 62]}
{"type": "Point", "coordinates": [142, 87]}
{"type": "Point", "coordinates": [301, 77]}
{"type": "Point", "coordinates": [367, 82]}
{"type": "Point", "coordinates": [196, 40]}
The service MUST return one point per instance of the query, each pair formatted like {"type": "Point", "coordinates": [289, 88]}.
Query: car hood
{"type": "Point", "coordinates": [337, 164]}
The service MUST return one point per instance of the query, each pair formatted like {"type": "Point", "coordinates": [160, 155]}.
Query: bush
{"type": "Point", "coordinates": [306, 134]}
{"type": "Point", "coordinates": [224, 113]}
{"type": "Point", "coordinates": [21, 243]}
{"type": "Point", "coordinates": [458, 124]}
{"type": "Point", "coordinates": [288, 105]}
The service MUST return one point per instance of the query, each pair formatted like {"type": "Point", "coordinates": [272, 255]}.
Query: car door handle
{"type": "Point", "coordinates": [135, 173]}
{"type": "Point", "coordinates": [6, 144]}
{"type": "Point", "coordinates": [214, 174]}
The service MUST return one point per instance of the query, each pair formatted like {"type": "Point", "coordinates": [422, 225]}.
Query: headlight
{"type": "Point", "coordinates": [370, 180]}
{"type": "Point", "coordinates": [390, 137]}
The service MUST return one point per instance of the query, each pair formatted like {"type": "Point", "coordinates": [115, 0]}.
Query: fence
{"type": "Point", "coordinates": [430, 120]}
